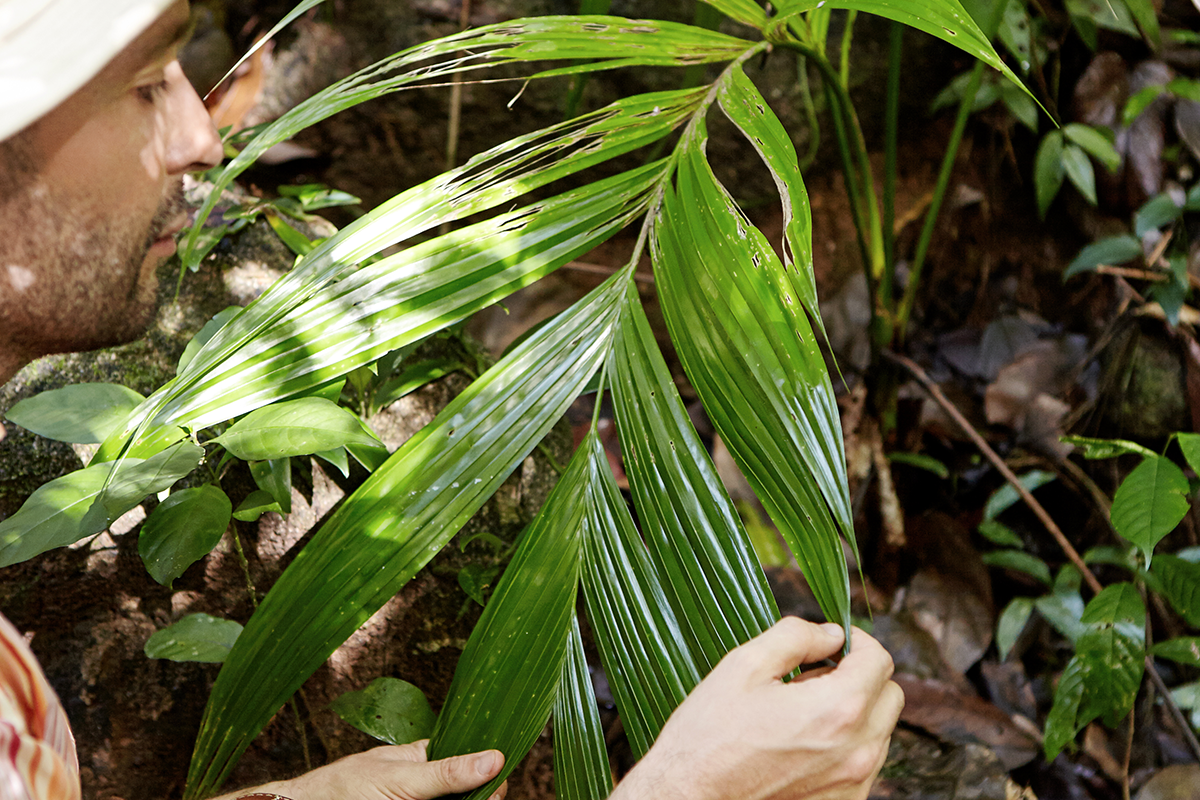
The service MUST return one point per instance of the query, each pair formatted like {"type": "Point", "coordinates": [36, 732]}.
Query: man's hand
{"type": "Point", "coordinates": [743, 733]}
{"type": "Point", "coordinates": [390, 773]}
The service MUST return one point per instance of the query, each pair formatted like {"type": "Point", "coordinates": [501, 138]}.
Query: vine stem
{"type": "Point", "coordinates": [1072, 554]}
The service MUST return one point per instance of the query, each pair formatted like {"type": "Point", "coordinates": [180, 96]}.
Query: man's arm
{"type": "Point", "coordinates": [743, 733]}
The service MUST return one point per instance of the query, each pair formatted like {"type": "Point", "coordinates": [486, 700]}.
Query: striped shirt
{"type": "Point", "coordinates": [37, 751]}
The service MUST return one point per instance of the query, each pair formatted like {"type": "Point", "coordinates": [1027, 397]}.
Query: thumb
{"type": "Point", "coordinates": [786, 645]}
{"type": "Point", "coordinates": [451, 775]}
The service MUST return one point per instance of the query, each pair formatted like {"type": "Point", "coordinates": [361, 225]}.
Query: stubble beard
{"type": "Point", "coordinates": [89, 281]}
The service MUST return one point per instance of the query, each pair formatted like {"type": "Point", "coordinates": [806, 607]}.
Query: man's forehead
{"type": "Point", "coordinates": [160, 39]}
{"type": "Point", "coordinates": [50, 48]}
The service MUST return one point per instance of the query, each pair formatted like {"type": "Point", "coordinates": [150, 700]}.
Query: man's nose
{"type": "Point", "coordinates": [194, 144]}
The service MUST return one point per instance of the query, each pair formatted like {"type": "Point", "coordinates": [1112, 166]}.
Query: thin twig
{"type": "Point", "coordinates": [1072, 554]}
{"type": "Point", "coordinates": [991, 455]}
{"type": "Point", "coordinates": [1130, 272]}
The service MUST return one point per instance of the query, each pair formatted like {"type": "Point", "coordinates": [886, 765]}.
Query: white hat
{"type": "Point", "coordinates": [50, 48]}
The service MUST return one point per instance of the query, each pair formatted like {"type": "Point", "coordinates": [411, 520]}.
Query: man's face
{"type": "Point", "coordinates": [90, 201]}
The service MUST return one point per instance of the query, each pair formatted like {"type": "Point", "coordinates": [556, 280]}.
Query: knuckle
{"type": "Point", "coordinates": [449, 771]}
{"type": "Point", "coordinates": [859, 765]}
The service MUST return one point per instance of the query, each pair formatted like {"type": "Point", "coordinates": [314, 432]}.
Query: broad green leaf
{"type": "Point", "coordinates": [293, 428]}
{"type": "Point", "coordinates": [305, 331]}
{"type": "Point", "coordinates": [1185, 88]}
{"type": "Point", "coordinates": [1063, 609]}
{"type": "Point", "coordinates": [1146, 17]}
{"type": "Point", "coordinates": [1094, 14]}
{"type": "Point", "coordinates": [207, 332]}
{"type": "Point", "coordinates": [999, 533]}
{"type": "Point", "coordinates": [1006, 496]}
{"type": "Point", "coordinates": [128, 486]}
{"type": "Point", "coordinates": [506, 681]}
{"type": "Point", "coordinates": [1107, 448]}
{"type": "Point", "coordinates": [1189, 443]}
{"type": "Point", "coordinates": [256, 504]}
{"type": "Point", "coordinates": [391, 710]}
{"type": "Point", "coordinates": [1156, 213]}
{"type": "Point", "coordinates": [1181, 585]}
{"type": "Point", "coordinates": [1011, 623]}
{"type": "Point", "coordinates": [649, 669]}
{"type": "Point", "coordinates": [1020, 561]}
{"type": "Point", "coordinates": [746, 346]}
{"type": "Point", "coordinates": [746, 12]}
{"type": "Point", "coordinates": [1095, 143]}
{"type": "Point", "coordinates": [768, 547]}
{"type": "Point", "coordinates": [1061, 722]}
{"type": "Point", "coordinates": [695, 538]}
{"type": "Point", "coordinates": [1181, 649]}
{"type": "Point", "coordinates": [296, 241]}
{"type": "Point", "coordinates": [1118, 604]}
{"type": "Point", "coordinates": [581, 769]}
{"type": "Point", "coordinates": [474, 578]}
{"type": "Point", "coordinates": [748, 110]}
{"type": "Point", "coordinates": [60, 512]}
{"type": "Point", "coordinates": [1079, 171]}
{"type": "Point", "coordinates": [1110, 554]}
{"type": "Point", "coordinates": [275, 478]}
{"type": "Point", "coordinates": [399, 519]}
{"type": "Point", "coordinates": [83, 413]}
{"type": "Point", "coordinates": [183, 529]}
{"type": "Point", "coordinates": [1102, 679]}
{"type": "Point", "coordinates": [1112, 650]}
{"type": "Point", "coordinates": [52, 515]}
{"type": "Point", "coordinates": [1112, 250]}
{"type": "Point", "coordinates": [337, 458]}
{"type": "Point", "coordinates": [1048, 170]}
{"type": "Point", "coordinates": [1149, 503]}
{"type": "Point", "coordinates": [1140, 101]}
{"type": "Point", "coordinates": [196, 637]}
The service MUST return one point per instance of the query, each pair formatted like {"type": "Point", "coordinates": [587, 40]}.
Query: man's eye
{"type": "Point", "coordinates": [152, 91]}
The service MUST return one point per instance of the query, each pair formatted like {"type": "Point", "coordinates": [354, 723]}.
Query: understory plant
{"type": "Point", "coordinates": [666, 596]}
{"type": "Point", "coordinates": [1109, 635]}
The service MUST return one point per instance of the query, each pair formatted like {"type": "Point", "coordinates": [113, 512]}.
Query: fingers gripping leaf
{"type": "Point", "coordinates": [751, 354]}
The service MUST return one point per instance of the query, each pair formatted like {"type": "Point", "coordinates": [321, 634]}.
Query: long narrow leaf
{"type": "Point", "coordinates": [581, 769]}
{"type": "Point", "coordinates": [746, 108]}
{"type": "Point", "coordinates": [611, 41]}
{"type": "Point", "coordinates": [750, 352]}
{"type": "Point", "coordinates": [399, 519]}
{"type": "Point", "coordinates": [945, 19]}
{"type": "Point", "coordinates": [649, 668]}
{"type": "Point", "coordinates": [411, 295]}
{"type": "Point", "coordinates": [746, 12]}
{"type": "Point", "coordinates": [695, 538]}
{"type": "Point", "coordinates": [507, 678]}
